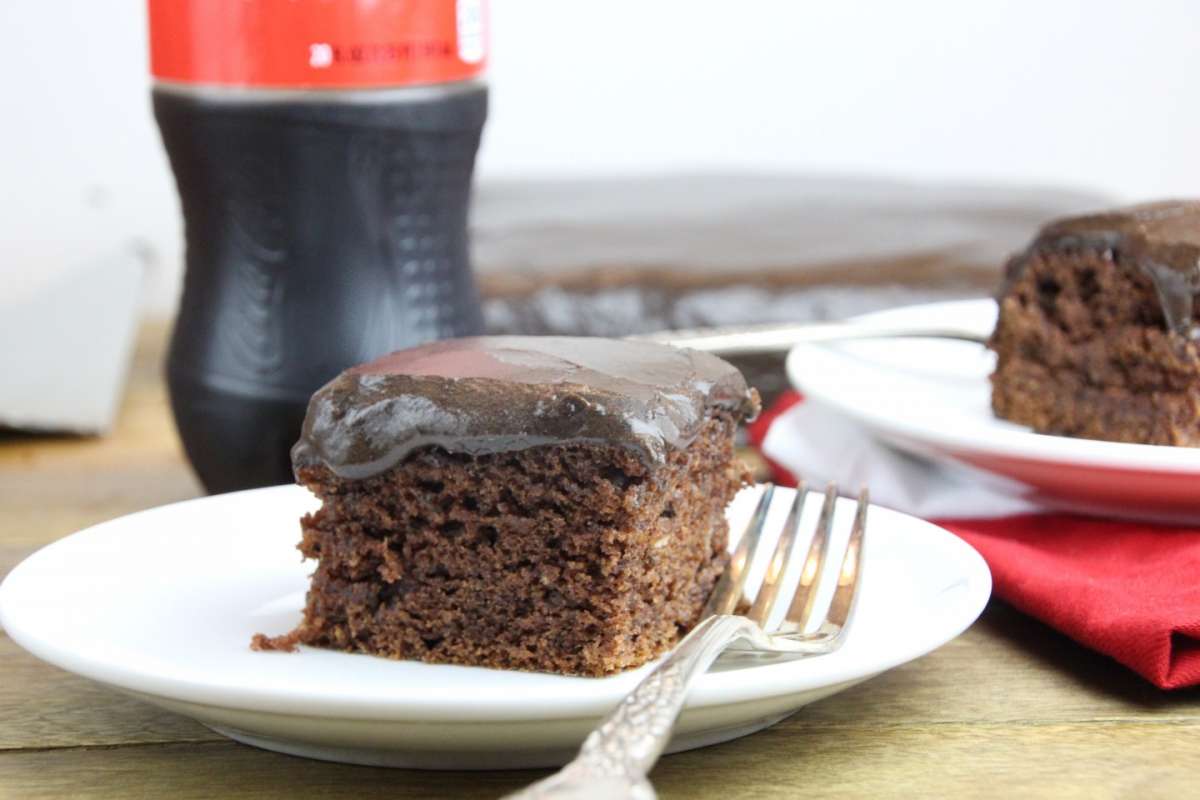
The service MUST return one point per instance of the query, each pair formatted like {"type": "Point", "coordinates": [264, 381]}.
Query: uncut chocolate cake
{"type": "Point", "coordinates": [616, 256]}
{"type": "Point", "coordinates": [537, 503]}
{"type": "Point", "coordinates": [1097, 334]}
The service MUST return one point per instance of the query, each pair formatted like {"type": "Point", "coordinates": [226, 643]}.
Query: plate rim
{"type": "Point", "coordinates": [715, 692]}
{"type": "Point", "coordinates": [1017, 444]}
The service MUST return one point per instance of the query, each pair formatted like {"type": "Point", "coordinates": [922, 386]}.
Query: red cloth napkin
{"type": "Point", "coordinates": [1129, 590]}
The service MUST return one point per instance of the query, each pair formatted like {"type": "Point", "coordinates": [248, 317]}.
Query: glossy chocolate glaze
{"type": "Point", "coordinates": [493, 394]}
{"type": "Point", "coordinates": [1162, 239]}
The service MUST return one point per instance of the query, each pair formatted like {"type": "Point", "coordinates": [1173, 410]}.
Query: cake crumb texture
{"type": "Point", "coordinates": [1084, 349]}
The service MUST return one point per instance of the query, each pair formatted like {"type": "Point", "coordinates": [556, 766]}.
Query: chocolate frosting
{"type": "Point", "coordinates": [1162, 239]}
{"type": "Point", "coordinates": [493, 394]}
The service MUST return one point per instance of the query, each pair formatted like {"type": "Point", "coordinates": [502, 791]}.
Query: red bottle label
{"type": "Point", "coordinates": [317, 43]}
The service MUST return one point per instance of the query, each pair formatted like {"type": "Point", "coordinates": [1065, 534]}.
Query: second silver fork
{"type": "Point", "coordinates": [617, 756]}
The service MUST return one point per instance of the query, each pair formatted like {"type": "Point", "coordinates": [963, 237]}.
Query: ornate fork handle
{"type": "Point", "coordinates": [615, 758]}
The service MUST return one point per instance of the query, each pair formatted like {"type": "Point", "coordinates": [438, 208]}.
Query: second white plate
{"type": "Point", "coordinates": [932, 398]}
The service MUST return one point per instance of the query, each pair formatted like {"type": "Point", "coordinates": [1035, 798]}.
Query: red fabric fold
{"type": "Point", "coordinates": [1129, 590]}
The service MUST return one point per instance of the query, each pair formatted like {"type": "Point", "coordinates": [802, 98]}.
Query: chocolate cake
{"type": "Point", "coordinates": [535, 503]}
{"type": "Point", "coordinates": [1097, 334]}
{"type": "Point", "coordinates": [615, 256]}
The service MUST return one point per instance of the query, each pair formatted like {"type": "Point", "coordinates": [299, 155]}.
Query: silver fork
{"type": "Point", "coordinates": [738, 340]}
{"type": "Point", "coordinates": [617, 756]}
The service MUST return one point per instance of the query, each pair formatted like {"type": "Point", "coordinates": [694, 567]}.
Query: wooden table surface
{"type": "Point", "coordinates": [1009, 709]}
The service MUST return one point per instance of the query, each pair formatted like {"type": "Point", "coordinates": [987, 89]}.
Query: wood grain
{"type": "Point", "coordinates": [1011, 708]}
{"type": "Point", "coordinates": [794, 759]}
{"type": "Point", "coordinates": [43, 707]}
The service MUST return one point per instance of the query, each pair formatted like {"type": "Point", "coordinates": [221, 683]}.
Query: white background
{"type": "Point", "coordinates": [1099, 94]}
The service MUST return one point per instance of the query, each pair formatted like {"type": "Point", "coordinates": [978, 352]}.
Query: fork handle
{"type": "Point", "coordinates": [616, 756]}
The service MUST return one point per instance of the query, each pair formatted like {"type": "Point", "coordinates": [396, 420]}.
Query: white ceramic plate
{"type": "Point", "coordinates": [932, 398]}
{"type": "Point", "coordinates": [162, 604]}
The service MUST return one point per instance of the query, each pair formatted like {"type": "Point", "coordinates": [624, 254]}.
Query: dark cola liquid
{"type": "Point", "coordinates": [320, 234]}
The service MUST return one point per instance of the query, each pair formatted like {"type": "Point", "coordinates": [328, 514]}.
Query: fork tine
{"type": "Point", "coordinates": [768, 592]}
{"type": "Point", "coordinates": [800, 611]}
{"type": "Point", "coordinates": [842, 604]}
{"type": "Point", "coordinates": [728, 591]}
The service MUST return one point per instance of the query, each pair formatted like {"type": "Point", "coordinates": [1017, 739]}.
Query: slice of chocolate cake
{"type": "Point", "coordinates": [1097, 334]}
{"type": "Point", "coordinates": [536, 503]}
